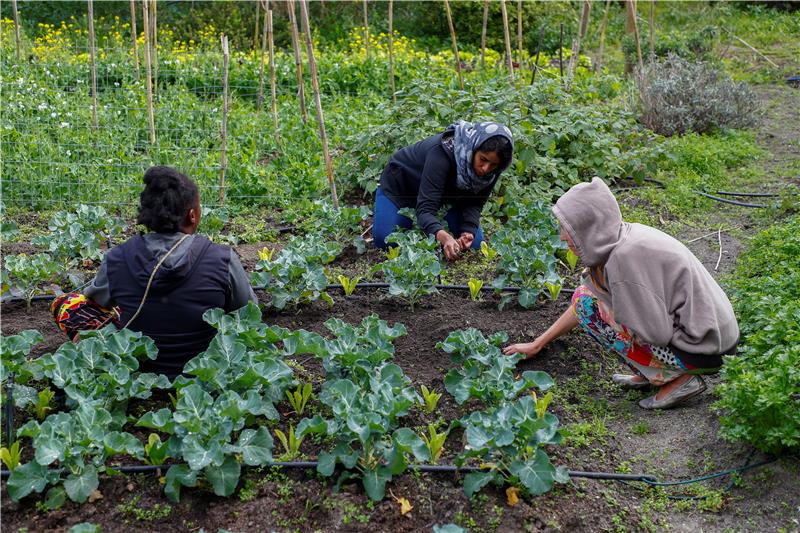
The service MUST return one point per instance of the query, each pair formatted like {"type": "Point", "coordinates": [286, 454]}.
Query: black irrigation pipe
{"type": "Point", "coordinates": [726, 201]}
{"type": "Point", "coordinates": [758, 194]}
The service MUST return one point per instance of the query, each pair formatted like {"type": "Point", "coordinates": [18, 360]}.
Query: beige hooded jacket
{"type": "Point", "coordinates": [656, 286]}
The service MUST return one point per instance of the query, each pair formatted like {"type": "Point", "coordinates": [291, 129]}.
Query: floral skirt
{"type": "Point", "coordinates": [658, 364]}
{"type": "Point", "coordinates": [74, 312]}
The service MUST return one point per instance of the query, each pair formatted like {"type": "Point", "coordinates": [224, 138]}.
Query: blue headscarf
{"type": "Point", "coordinates": [466, 138]}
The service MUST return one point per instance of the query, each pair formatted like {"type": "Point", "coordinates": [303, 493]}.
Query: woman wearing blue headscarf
{"type": "Point", "coordinates": [459, 168]}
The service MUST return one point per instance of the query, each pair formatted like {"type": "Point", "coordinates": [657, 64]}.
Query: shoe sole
{"type": "Point", "coordinates": [678, 402]}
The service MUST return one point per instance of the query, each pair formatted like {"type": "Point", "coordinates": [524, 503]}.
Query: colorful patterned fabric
{"type": "Point", "coordinates": [657, 364]}
{"type": "Point", "coordinates": [74, 312]}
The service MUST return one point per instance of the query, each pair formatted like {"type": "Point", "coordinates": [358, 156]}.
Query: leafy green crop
{"type": "Point", "coordinates": [14, 352]}
{"type": "Point", "coordinates": [485, 373]}
{"type": "Point", "coordinates": [527, 245]}
{"type": "Point", "coordinates": [25, 274]}
{"type": "Point", "coordinates": [103, 367]}
{"type": "Point", "coordinates": [80, 235]}
{"type": "Point", "coordinates": [341, 225]}
{"type": "Point", "coordinates": [413, 272]}
{"type": "Point", "coordinates": [297, 275]}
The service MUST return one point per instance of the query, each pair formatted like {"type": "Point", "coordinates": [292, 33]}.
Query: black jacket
{"type": "Point", "coordinates": [423, 176]}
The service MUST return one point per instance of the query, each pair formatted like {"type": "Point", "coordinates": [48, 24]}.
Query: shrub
{"type": "Point", "coordinates": [677, 96]}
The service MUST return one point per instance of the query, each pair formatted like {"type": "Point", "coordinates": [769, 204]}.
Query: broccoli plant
{"type": "Point", "coordinates": [102, 368]}
{"type": "Point", "coordinates": [341, 225]}
{"type": "Point", "coordinates": [14, 351]}
{"type": "Point", "coordinates": [213, 222]}
{"type": "Point", "coordinates": [527, 244]}
{"type": "Point", "coordinates": [80, 442]}
{"type": "Point", "coordinates": [25, 275]}
{"type": "Point", "coordinates": [297, 275]}
{"type": "Point", "coordinates": [80, 236]}
{"type": "Point", "coordinates": [486, 373]}
{"type": "Point", "coordinates": [209, 435]}
{"type": "Point", "coordinates": [413, 272]}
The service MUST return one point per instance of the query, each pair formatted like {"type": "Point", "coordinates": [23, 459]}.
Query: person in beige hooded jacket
{"type": "Point", "coordinates": [644, 296]}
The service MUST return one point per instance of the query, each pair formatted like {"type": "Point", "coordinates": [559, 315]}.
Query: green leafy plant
{"type": "Point", "coordinates": [349, 284]}
{"type": "Point", "coordinates": [412, 274]}
{"type": "Point", "coordinates": [430, 399]}
{"type": "Point", "coordinates": [14, 351]}
{"type": "Point", "coordinates": [554, 289]}
{"type": "Point", "coordinates": [572, 260]}
{"type": "Point", "coordinates": [487, 251]}
{"type": "Point", "coordinates": [393, 252]}
{"type": "Point", "coordinates": [80, 235]}
{"type": "Point", "coordinates": [155, 451]}
{"type": "Point", "coordinates": [475, 286]}
{"type": "Point", "coordinates": [26, 274]}
{"type": "Point", "coordinates": [44, 403]}
{"type": "Point", "coordinates": [297, 275]}
{"type": "Point", "coordinates": [342, 225]}
{"type": "Point", "coordinates": [299, 398]}
{"type": "Point", "coordinates": [291, 443]}
{"type": "Point", "coordinates": [213, 222]}
{"type": "Point", "coordinates": [11, 456]}
{"type": "Point", "coordinates": [435, 440]}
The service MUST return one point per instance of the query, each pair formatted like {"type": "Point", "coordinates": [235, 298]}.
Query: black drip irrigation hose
{"type": "Point", "coordinates": [338, 286]}
{"type": "Point", "coordinates": [732, 202]}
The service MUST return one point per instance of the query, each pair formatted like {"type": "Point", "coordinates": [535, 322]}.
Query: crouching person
{"type": "Point", "coordinates": [161, 282]}
{"type": "Point", "coordinates": [644, 296]}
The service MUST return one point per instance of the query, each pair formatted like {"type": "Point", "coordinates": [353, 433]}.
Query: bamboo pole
{"type": "Point", "coordinates": [223, 162]}
{"type": "Point", "coordinates": [155, 47]}
{"type": "Point", "coordinates": [599, 60]}
{"type": "Point", "coordinates": [148, 71]}
{"type": "Point", "coordinates": [631, 12]}
{"type": "Point", "coordinates": [391, 51]}
{"type": "Point", "coordinates": [317, 101]}
{"type": "Point", "coordinates": [17, 52]}
{"type": "Point", "coordinates": [538, 51]}
{"type": "Point", "coordinates": [561, 52]}
{"type": "Point", "coordinates": [483, 32]}
{"type": "Point", "coordinates": [135, 41]}
{"type": "Point", "coordinates": [520, 56]}
{"type": "Point", "coordinates": [508, 40]}
{"type": "Point", "coordinates": [298, 61]}
{"type": "Point", "coordinates": [262, 72]}
{"type": "Point", "coordinates": [268, 14]}
{"type": "Point", "coordinates": [574, 57]}
{"type": "Point", "coordinates": [366, 28]}
{"type": "Point", "coordinates": [455, 44]}
{"type": "Point", "coordinates": [94, 65]}
{"type": "Point", "coordinates": [255, 32]}
{"type": "Point", "coordinates": [652, 22]}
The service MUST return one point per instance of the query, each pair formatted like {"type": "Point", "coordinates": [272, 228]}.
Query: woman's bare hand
{"type": "Point", "coordinates": [527, 349]}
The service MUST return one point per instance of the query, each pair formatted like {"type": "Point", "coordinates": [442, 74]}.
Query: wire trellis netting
{"type": "Point", "coordinates": [51, 154]}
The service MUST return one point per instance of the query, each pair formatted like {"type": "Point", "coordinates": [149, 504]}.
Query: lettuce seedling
{"type": "Point", "coordinates": [430, 399]}
{"type": "Point", "coordinates": [475, 286]}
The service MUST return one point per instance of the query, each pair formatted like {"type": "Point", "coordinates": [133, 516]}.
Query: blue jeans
{"type": "Point", "coordinates": [386, 219]}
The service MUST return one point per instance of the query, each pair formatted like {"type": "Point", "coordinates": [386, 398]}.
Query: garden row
{"type": "Point", "coordinates": [220, 417]}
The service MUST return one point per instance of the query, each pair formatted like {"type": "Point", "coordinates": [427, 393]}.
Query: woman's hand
{"type": "Point", "coordinates": [528, 349]}
{"type": "Point", "coordinates": [465, 240]}
{"type": "Point", "coordinates": [450, 246]}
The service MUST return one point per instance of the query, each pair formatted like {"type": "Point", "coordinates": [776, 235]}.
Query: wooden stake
{"type": "Point", "coordinates": [391, 51]}
{"type": "Point", "coordinates": [508, 40]}
{"type": "Point", "coordinates": [631, 5]}
{"type": "Point", "coordinates": [260, 96]}
{"type": "Point", "coordinates": [155, 47]}
{"type": "Point", "coordinates": [366, 28]}
{"type": "Point", "coordinates": [561, 52]}
{"type": "Point", "coordinates": [538, 51]}
{"type": "Point", "coordinates": [223, 162]}
{"type": "Point", "coordinates": [135, 41]}
{"type": "Point", "coordinates": [16, 28]}
{"type": "Point", "coordinates": [94, 66]}
{"type": "Point", "coordinates": [652, 22]}
{"type": "Point", "coordinates": [575, 55]}
{"type": "Point", "coordinates": [748, 45]}
{"type": "Point", "coordinates": [148, 71]}
{"type": "Point", "coordinates": [483, 32]}
{"type": "Point", "coordinates": [268, 13]}
{"type": "Point", "coordinates": [599, 60]}
{"type": "Point", "coordinates": [455, 44]}
{"type": "Point", "coordinates": [255, 32]}
{"type": "Point", "coordinates": [520, 56]}
{"type": "Point", "coordinates": [317, 101]}
{"type": "Point", "coordinates": [298, 61]}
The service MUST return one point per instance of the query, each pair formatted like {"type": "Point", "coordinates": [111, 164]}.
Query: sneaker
{"type": "Point", "coordinates": [689, 389]}
{"type": "Point", "coordinates": [628, 382]}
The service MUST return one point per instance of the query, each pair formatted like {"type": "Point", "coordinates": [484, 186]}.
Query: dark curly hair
{"type": "Point", "coordinates": [501, 146]}
{"type": "Point", "coordinates": [166, 198]}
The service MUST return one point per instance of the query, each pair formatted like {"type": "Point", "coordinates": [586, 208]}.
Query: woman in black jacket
{"type": "Point", "coordinates": [459, 168]}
